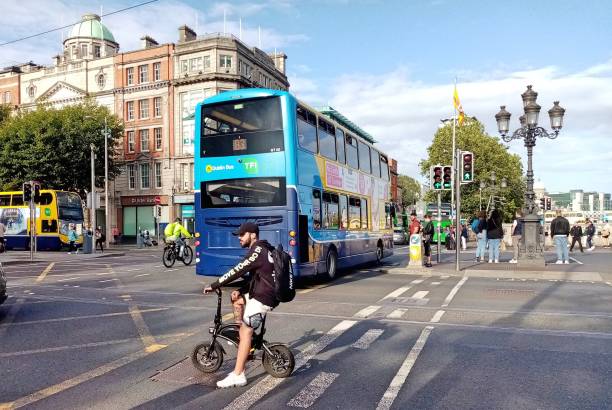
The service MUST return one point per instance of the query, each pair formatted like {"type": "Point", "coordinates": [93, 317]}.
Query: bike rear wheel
{"type": "Point", "coordinates": [281, 363]}
{"type": "Point", "coordinates": [207, 363]}
{"type": "Point", "coordinates": [187, 255]}
{"type": "Point", "coordinates": [169, 257]}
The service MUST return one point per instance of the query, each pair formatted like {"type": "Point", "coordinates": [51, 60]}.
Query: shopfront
{"type": "Point", "coordinates": [139, 214]}
{"type": "Point", "coordinates": [186, 210]}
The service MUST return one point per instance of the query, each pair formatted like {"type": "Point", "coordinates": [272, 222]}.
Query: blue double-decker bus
{"type": "Point", "coordinates": [312, 181]}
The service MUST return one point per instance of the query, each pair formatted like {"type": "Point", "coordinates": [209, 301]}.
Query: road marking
{"type": "Point", "coordinates": [63, 319]}
{"type": "Point", "coordinates": [454, 291]}
{"type": "Point", "coordinates": [302, 291]}
{"type": "Point", "coordinates": [435, 283]}
{"type": "Point", "coordinates": [417, 281]}
{"type": "Point", "coordinates": [104, 273]}
{"type": "Point", "coordinates": [107, 280]}
{"type": "Point", "coordinates": [367, 339]}
{"type": "Point", "coordinates": [397, 313]}
{"type": "Point", "coordinates": [142, 274]}
{"type": "Point", "coordinates": [248, 398]}
{"type": "Point", "coordinates": [365, 312]}
{"type": "Point", "coordinates": [397, 292]}
{"type": "Point", "coordinates": [403, 372]}
{"type": "Point", "coordinates": [420, 294]}
{"type": "Point", "coordinates": [75, 381]}
{"type": "Point", "coordinates": [436, 318]}
{"type": "Point", "coordinates": [67, 279]}
{"type": "Point", "coordinates": [309, 394]}
{"type": "Point", "coordinates": [44, 273]}
{"type": "Point", "coordinates": [444, 277]}
{"type": "Point", "coordinates": [576, 260]}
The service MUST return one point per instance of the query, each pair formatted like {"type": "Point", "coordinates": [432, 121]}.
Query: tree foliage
{"type": "Point", "coordinates": [53, 146]}
{"type": "Point", "coordinates": [489, 155]}
{"type": "Point", "coordinates": [5, 112]}
{"type": "Point", "coordinates": [411, 189]}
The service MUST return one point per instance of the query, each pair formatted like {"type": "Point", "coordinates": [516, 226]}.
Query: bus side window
{"type": "Point", "coordinates": [343, 200]}
{"type": "Point", "coordinates": [49, 226]}
{"type": "Point", "coordinates": [46, 198]}
{"type": "Point", "coordinates": [340, 145]}
{"type": "Point", "coordinates": [330, 211]}
{"type": "Point", "coordinates": [17, 200]}
{"type": "Point", "coordinates": [351, 152]}
{"type": "Point", "coordinates": [5, 200]}
{"type": "Point", "coordinates": [354, 213]}
{"type": "Point", "coordinates": [307, 129]}
{"type": "Point", "coordinates": [316, 209]}
{"type": "Point", "coordinates": [384, 168]}
{"type": "Point", "coordinates": [364, 214]}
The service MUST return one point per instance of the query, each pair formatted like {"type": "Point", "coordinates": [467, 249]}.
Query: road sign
{"type": "Point", "coordinates": [157, 200]}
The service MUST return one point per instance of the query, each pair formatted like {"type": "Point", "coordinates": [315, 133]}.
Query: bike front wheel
{"type": "Point", "coordinates": [187, 255]}
{"type": "Point", "coordinates": [206, 358]}
{"type": "Point", "coordinates": [169, 257]}
{"type": "Point", "coordinates": [281, 363]}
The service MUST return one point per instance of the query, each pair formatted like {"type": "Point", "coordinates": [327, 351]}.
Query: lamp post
{"type": "Point", "coordinates": [531, 248]}
{"type": "Point", "coordinates": [106, 212]}
{"type": "Point", "coordinates": [92, 212]}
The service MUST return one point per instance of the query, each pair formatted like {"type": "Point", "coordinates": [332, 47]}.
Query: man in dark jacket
{"type": "Point", "coordinates": [576, 233]}
{"type": "Point", "coordinates": [590, 232]}
{"type": "Point", "coordinates": [559, 231]}
{"type": "Point", "coordinates": [253, 305]}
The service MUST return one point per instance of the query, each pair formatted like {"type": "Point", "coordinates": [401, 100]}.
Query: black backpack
{"type": "Point", "coordinates": [284, 282]}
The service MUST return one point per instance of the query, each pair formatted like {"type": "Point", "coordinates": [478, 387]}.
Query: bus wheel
{"type": "Point", "coordinates": [379, 253]}
{"type": "Point", "coordinates": [331, 263]}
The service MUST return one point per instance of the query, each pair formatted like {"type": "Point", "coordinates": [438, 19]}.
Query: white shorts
{"type": "Point", "coordinates": [254, 312]}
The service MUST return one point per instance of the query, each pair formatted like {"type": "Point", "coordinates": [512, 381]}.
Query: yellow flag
{"type": "Point", "coordinates": [458, 107]}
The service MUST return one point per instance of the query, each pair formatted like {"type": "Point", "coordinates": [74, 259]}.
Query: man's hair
{"type": "Point", "coordinates": [177, 219]}
{"type": "Point", "coordinates": [558, 212]}
{"type": "Point", "coordinates": [428, 216]}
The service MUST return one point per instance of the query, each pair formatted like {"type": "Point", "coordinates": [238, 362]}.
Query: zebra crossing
{"type": "Point", "coordinates": [338, 360]}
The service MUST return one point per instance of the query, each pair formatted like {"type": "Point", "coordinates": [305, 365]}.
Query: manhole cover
{"type": "Point", "coordinates": [183, 372]}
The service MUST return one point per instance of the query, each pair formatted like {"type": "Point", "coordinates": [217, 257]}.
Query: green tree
{"type": "Point", "coordinates": [411, 189]}
{"type": "Point", "coordinates": [489, 155]}
{"type": "Point", "coordinates": [5, 112]}
{"type": "Point", "coordinates": [53, 146]}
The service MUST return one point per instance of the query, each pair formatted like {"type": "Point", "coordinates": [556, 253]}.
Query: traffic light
{"type": "Point", "coordinates": [548, 203]}
{"type": "Point", "coordinates": [435, 177]}
{"type": "Point", "coordinates": [27, 192]}
{"type": "Point", "coordinates": [542, 203]}
{"type": "Point", "coordinates": [158, 211]}
{"type": "Point", "coordinates": [447, 177]}
{"type": "Point", "coordinates": [467, 161]}
{"type": "Point", "coordinates": [36, 193]}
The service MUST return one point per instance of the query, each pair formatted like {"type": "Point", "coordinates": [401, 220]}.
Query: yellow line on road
{"type": "Point", "coordinates": [44, 273]}
{"type": "Point", "coordinates": [313, 288]}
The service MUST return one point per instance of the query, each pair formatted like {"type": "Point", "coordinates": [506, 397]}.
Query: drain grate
{"type": "Point", "coordinates": [525, 293]}
{"type": "Point", "coordinates": [406, 301]}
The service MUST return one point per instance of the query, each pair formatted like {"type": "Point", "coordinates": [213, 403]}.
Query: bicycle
{"type": "Point", "coordinates": [207, 357]}
{"type": "Point", "coordinates": [171, 255]}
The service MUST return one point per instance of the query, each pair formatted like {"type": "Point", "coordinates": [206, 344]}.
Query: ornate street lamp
{"type": "Point", "coordinates": [531, 248]}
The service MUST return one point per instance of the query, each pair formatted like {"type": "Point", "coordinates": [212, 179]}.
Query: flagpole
{"type": "Point", "coordinates": [453, 151]}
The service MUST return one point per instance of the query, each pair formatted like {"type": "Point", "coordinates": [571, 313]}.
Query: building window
{"type": "Point", "coordinates": [131, 141]}
{"type": "Point", "coordinates": [31, 91]}
{"type": "Point", "coordinates": [156, 71]}
{"type": "Point", "coordinates": [157, 106]}
{"type": "Point", "coordinates": [130, 75]}
{"type": "Point", "coordinates": [144, 176]}
{"type": "Point", "coordinates": [83, 50]}
{"type": "Point", "coordinates": [75, 51]}
{"type": "Point", "coordinates": [131, 176]}
{"type": "Point", "coordinates": [225, 61]}
{"type": "Point", "coordinates": [143, 74]}
{"type": "Point", "coordinates": [97, 51]}
{"type": "Point", "coordinates": [195, 64]}
{"type": "Point", "coordinates": [7, 97]}
{"type": "Point", "coordinates": [143, 109]}
{"type": "Point", "coordinates": [101, 80]}
{"type": "Point", "coordinates": [130, 110]}
{"type": "Point", "coordinates": [206, 60]}
{"type": "Point", "coordinates": [158, 138]}
{"type": "Point", "coordinates": [144, 140]}
{"type": "Point", "coordinates": [158, 175]}
{"type": "Point", "coordinates": [184, 66]}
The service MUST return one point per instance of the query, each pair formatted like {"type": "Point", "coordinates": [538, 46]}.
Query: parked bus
{"type": "Point", "coordinates": [445, 222]}
{"type": "Point", "coordinates": [312, 181]}
{"type": "Point", "coordinates": [574, 217]}
{"type": "Point", "coordinates": [57, 209]}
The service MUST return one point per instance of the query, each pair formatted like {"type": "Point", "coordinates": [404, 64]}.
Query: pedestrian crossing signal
{"type": "Point", "coordinates": [435, 177]}
{"type": "Point", "coordinates": [447, 178]}
{"type": "Point", "coordinates": [467, 161]}
{"type": "Point", "coordinates": [27, 192]}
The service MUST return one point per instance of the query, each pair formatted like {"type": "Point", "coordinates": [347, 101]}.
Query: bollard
{"type": "Point", "coordinates": [416, 258]}
{"type": "Point", "coordinates": [87, 241]}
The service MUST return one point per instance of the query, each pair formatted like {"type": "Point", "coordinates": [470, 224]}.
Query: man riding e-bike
{"type": "Point", "coordinates": [253, 301]}
{"type": "Point", "coordinates": [175, 232]}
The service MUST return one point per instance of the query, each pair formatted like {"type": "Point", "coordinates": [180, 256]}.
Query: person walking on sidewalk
{"type": "Point", "coordinates": [464, 237]}
{"type": "Point", "coordinates": [428, 232]}
{"type": "Point", "coordinates": [559, 231]}
{"type": "Point", "coordinates": [480, 229]}
{"type": "Point", "coordinates": [517, 234]}
{"type": "Point", "coordinates": [590, 232]}
{"type": "Point", "coordinates": [605, 235]}
{"type": "Point", "coordinates": [495, 233]}
{"type": "Point", "coordinates": [100, 238]}
{"type": "Point", "coordinates": [576, 234]}
{"type": "Point", "coordinates": [2, 240]}
{"type": "Point", "coordinates": [72, 238]}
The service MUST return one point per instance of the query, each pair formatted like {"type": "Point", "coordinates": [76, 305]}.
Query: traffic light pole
{"type": "Point", "coordinates": [439, 225]}
{"type": "Point", "coordinates": [458, 176]}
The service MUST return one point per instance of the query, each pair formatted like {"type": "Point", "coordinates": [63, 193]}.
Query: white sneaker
{"type": "Point", "coordinates": [566, 262]}
{"type": "Point", "coordinates": [496, 261]}
{"type": "Point", "coordinates": [490, 260]}
{"type": "Point", "coordinates": [559, 262]}
{"type": "Point", "coordinates": [232, 380]}
{"type": "Point", "coordinates": [513, 261]}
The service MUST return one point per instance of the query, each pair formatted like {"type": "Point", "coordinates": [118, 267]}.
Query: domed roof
{"type": "Point", "coordinates": [90, 26]}
{"type": "Point", "coordinates": [539, 185]}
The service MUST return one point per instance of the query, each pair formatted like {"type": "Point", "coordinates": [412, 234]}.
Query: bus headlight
{"type": "Point", "coordinates": [292, 234]}
{"type": "Point", "coordinates": [197, 234]}
{"type": "Point", "coordinates": [197, 260]}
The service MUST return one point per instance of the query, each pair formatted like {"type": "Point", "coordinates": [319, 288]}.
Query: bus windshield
{"type": "Point", "coordinates": [245, 127]}
{"type": "Point", "coordinates": [244, 192]}
{"type": "Point", "coordinates": [69, 206]}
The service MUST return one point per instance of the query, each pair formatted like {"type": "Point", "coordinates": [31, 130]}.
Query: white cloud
{"type": "Point", "coordinates": [403, 115]}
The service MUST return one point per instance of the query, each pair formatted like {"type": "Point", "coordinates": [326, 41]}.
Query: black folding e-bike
{"type": "Point", "coordinates": [277, 358]}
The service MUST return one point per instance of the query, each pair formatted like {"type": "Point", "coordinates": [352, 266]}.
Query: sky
{"type": "Point", "coordinates": [390, 66]}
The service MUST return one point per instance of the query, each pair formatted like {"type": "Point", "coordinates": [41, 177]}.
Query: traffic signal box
{"type": "Point", "coordinates": [447, 177]}
{"type": "Point", "coordinates": [435, 177]}
{"type": "Point", "coordinates": [467, 162]}
{"type": "Point", "coordinates": [27, 192]}
{"type": "Point", "coordinates": [548, 203]}
{"type": "Point", "coordinates": [36, 193]}
{"type": "Point", "coordinates": [543, 203]}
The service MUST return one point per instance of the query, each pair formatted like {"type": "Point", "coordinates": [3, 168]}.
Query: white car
{"type": "Point", "coordinates": [400, 236]}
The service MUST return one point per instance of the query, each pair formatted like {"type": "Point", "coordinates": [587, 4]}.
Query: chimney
{"type": "Point", "coordinates": [186, 34]}
{"type": "Point", "coordinates": [279, 61]}
{"type": "Point", "coordinates": [148, 42]}
{"type": "Point", "coordinates": [56, 60]}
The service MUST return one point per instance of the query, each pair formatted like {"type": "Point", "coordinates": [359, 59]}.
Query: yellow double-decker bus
{"type": "Point", "coordinates": [56, 211]}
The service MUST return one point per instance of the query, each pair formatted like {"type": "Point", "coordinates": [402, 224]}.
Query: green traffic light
{"type": "Point", "coordinates": [467, 176]}
{"type": "Point", "coordinates": [437, 185]}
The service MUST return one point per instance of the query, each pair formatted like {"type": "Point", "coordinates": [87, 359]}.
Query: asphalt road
{"type": "Point", "coordinates": [113, 333]}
